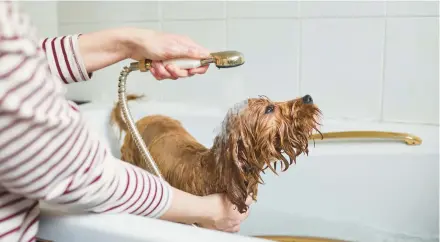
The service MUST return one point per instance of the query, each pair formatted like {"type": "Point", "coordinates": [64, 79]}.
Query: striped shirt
{"type": "Point", "coordinates": [46, 150]}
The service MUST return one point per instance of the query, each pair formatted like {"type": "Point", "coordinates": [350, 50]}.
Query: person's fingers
{"type": "Point", "coordinates": [229, 225]}
{"type": "Point", "coordinates": [176, 72]}
{"type": "Point", "coordinates": [172, 71]}
{"type": "Point", "coordinates": [233, 229]}
{"type": "Point", "coordinates": [160, 70]}
{"type": "Point", "coordinates": [155, 75]}
{"type": "Point", "coordinates": [198, 70]}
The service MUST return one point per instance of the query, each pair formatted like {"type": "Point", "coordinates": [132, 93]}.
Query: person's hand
{"type": "Point", "coordinates": [159, 46]}
{"type": "Point", "coordinates": [223, 215]}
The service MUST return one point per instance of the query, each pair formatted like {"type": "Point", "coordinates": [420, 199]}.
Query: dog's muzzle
{"type": "Point", "coordinates": [307, 99]}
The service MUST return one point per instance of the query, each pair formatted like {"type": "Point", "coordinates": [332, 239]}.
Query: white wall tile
{"type": "Point", "coordinates": [44, 15]}
{"type": "Point", "coordinates": [271, 57]}
{"type": "Point", "coordinates": [203, 90]}
{"type": "Point", "coordinates": [411, 87]}
{"type": "Point", "coordinates": [342, 66]}
{"type": "Point", "coordinates": [412, 8]}
{"type": "Point", "coordinates": [174, 10]}
{"type": "Point", "coordinates": [103, 11]}
{"type": "Point", "coordinates": [262, 9]}
{"type": "Point", "coordinates": [104, 83]}
{"type": "Point", "coordinates": [47, 30]}
{"type": "Point", "coordinates": [341, 8]}
{"type": "Point", "coordinates": [92, 27]}
{"type": "Point", "coordinates": [41, 11]}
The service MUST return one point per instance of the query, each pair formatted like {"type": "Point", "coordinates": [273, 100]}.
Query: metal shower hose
{"type": "Point", "coordinates": [140, 144]}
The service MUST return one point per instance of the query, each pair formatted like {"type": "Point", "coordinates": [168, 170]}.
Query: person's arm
{"type": "Point", "coordinates": [103, 48]}
{"type": "Point", "coordinates": [73, 58]}
{"type": "Point", "coordinates": [48, 153]}
{"type": "Point", "coordinates": [65, 62]}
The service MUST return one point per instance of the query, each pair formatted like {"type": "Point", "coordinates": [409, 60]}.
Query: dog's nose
{"type": "Point", "coordinates": [307, 99]}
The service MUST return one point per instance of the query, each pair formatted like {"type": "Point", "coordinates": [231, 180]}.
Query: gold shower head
{"type": "Point", "coordinates": [225, 59]}
{"type": "Point", "coordinates": [222, 59]}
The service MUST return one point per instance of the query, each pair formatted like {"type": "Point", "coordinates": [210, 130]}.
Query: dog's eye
{"type": "Point", "coordinates": [269, 109]}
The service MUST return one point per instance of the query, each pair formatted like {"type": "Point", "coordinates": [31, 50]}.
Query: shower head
{"type": "Point", "coordinates": [225, 59]}
{"type": "Point", "coordinates": [222, 59]}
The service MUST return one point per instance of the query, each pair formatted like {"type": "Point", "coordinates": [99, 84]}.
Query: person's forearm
{"type": "Point", "coordinates": [187, 208]}
{"type": "Point", "coordinates": [104, 48]}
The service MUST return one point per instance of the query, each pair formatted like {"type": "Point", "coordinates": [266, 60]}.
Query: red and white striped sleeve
{"type": "Point", "coordinates": [64, 58]}
{"type": "Point", "coordinates": [47, 152]}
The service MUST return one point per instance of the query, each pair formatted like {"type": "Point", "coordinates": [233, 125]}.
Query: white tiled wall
{"type": "Point", "coordinates": [411, 81]}
{"type": "Point", "coordinates": [370, 60]}
{"type": "Point", "coordinates": [347, 79]}
{"type": "Point", "coordinates": [43, 14]}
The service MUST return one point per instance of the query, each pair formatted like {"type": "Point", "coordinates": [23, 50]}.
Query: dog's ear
{"type": "Point", "coordinates": [232, 150]}
{"type": "Point", "coordinates": [239, 142]}
{"type": "Point", "coordinates": [232, 147]}
{"type": "Point", "coordinates": [242, 148]}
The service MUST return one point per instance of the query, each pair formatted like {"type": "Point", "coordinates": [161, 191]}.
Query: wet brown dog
{"type": "Point", "coordinates": [255, 134]}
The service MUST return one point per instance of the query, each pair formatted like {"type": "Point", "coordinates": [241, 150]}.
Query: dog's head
{"type": "Point", "coordinates": [256, 134]}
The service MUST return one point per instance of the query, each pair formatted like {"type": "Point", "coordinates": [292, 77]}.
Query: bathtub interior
{"type": "Point", "coordinates": [361, 191]}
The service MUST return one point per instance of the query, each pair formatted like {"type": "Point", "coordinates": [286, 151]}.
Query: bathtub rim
{"type": "Point", "coordinates": [427, 132]}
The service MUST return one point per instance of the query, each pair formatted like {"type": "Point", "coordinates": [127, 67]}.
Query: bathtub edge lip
{"type": "Point", "coordinates": [428, 133]}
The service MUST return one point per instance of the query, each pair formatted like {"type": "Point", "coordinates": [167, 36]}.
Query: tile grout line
{"type": "Point", "coordinates": [225, 8]}
{"type": "Point", "coordinates": [384, 49]}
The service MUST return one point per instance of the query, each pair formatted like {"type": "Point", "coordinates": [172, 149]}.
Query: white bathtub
{"type": "Point", "coordinates": [358, 191]}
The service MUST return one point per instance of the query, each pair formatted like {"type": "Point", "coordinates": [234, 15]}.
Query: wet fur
{"type": "Point", "coordinates": [250, 141]}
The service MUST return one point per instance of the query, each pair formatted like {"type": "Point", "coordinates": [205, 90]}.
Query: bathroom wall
{"type": "Point", "coordinates": [366, 60]}
{"type": "Point", "coordinates": [44, 14]}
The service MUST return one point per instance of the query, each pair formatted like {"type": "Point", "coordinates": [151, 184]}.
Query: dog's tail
{"type": "Point", "coordinates": [116, 114]}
